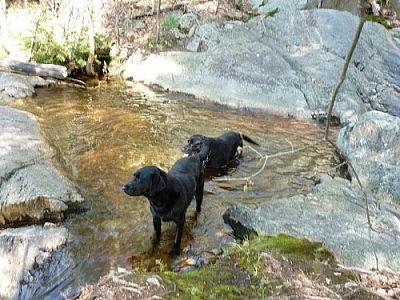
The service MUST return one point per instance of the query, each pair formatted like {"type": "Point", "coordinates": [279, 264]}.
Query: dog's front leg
{"type": "Point", "coordinates": [178, 236]}
{"type": "Point", "coordinates": [157, 229]}
{"type": "Point", "coordinates": [199, 194]}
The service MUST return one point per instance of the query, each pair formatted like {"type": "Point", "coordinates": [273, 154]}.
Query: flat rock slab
{"type": "Point", "coordinates": [285, 64]}
{"type": "Point", "coordinates": [31, 188]}
{"type": "Point", "coordinates": [333, 214]}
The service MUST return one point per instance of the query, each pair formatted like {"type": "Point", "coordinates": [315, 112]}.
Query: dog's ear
{"type": "Point", "coordinates": [158, 183]}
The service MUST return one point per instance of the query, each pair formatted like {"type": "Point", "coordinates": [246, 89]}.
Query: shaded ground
{"type": "Point", "coordinates": [144, 37]}
{"type": "Point", "coordinates": [262, 268]}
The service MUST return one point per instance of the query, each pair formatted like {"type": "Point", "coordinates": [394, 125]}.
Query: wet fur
{"type": "Point", "coordinates": [170, 194]}
{"type": "Point", "coordinates": [216, 153]}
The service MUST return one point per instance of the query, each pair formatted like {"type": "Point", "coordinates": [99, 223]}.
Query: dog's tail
{"type": "Point", "coordinates": [247, 139]}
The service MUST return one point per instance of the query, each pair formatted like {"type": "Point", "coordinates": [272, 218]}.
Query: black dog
{"type": "Point", "coordinates": [170, 194]}
{"type": "Point", "coordinates": [216, 153]}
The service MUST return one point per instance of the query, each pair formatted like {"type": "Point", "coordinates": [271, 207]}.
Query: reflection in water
{"type": "Point", "coordinates": [103, 135]}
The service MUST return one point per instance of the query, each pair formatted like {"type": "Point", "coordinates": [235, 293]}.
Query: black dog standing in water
{"type": "Point", "coordinates": [170, 194]}
{"type": "Point", "coordinates": [217, 152]}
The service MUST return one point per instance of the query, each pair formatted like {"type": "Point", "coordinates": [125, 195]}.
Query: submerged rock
{"type": "Point", "coordinates": [33, 261]}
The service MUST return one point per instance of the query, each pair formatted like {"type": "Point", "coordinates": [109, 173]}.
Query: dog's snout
{"type": "Point", "coordinates": [124, 188]}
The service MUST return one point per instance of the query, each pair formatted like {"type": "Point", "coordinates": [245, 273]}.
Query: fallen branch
{"type": "Point", "coordinates": [332, 102]}
{"type": "Point", "coordinates": [43, 70]}
{"type": "Point", "coordinates": [266, 157]}
{"type": "Point", "coordinates": [364, 192]}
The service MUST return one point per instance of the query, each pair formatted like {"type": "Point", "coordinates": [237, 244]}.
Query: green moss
{"type": "Point", "coordinates": [242, 271]}
{"type": "Point", "coordinates": [211, 282]}
{"type": "Point", "coordinates": [312, 258]}
{"type": "Point", "coordinates": [287, 245]}
{"type": "Point", "coordinates": [238, 274]}
{"type": "Point", "coordinates": [300, 252]}
{"type": "Point", "coordinates": [300, 248]}
{"type": "Point", "coordinates": [380, 20]}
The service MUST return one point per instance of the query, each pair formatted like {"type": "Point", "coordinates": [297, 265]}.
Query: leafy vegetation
{"type": "Point", "coordinates": [170, 22]}
{"type": "Point", "coordinates": [49, 50]}
{"type": "Point", "coordinates": [58, 33]}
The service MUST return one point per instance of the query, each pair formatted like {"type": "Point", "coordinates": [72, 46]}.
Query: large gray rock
{"type": "Point", "coordinates": [286, 64]}
{"type": "Point", "coordinates": [15, 86]}
{"type": "Point", "coordinates": [333, 214]}
{"type": "Point", "coordinates": [373, 146]}
{"type": "Point", "coordinates": [31, 188]}
{"type": "Point", "coordinates": [262, 6]}
{"type": "Point", "coordinates": [32, 261]}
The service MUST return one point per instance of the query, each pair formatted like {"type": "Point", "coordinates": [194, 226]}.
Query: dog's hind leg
{"type": "Point", "coordinates": [239, 153]}
{"type": "Point", "coordinates": [178, 236]}
{"type": "Point", "coordinates": [157, 229]}
{"type": "Point", "coordinates": [199, 193]}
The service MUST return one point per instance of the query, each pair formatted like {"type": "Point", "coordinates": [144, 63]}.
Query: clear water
{"type": "Point", "coordinates": [102, 135]}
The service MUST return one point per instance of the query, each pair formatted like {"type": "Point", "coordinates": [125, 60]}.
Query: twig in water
{"type": "Point", "coordinates": [291, 144]}
{"type": "Point", "coordinates": [266, 157]}
{"type": "Point", "coordinates": [338, 166]}
{"type": "Point", "coordinates": [254, 150]}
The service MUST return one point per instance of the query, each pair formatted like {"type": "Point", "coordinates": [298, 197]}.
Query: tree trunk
{"type": "Point", "coordinates": [89, 63]}
{"type": "Point", "coordinates": [4, 27]}
{"type": "Point", "coordinates": [44, 70]}
{"type": "Point", "coordinates": [158, 20]}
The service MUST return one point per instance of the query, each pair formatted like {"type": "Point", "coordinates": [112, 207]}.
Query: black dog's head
{"type": "Point", "coordinates": [196, 144]}
{"type": "Point", "coordinates": [147, 181]}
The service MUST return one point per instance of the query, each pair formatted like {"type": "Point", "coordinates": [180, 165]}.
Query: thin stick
{"type": "Point", "coordinates": [254, 150]}
{"type": "Point", "coordinates": [364, 192]}
{"type": "Point", "coordinates": [343, 75]}
{"type": "Point", "coordinates": [33, 40]}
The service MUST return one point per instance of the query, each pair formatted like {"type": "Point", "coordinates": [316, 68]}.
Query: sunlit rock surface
{"type": "Point", "coordinates": [373, 146]}
{"type": "Point", "coordinates": [31, 188]}
{"type": "Point", "coordinates": [333, 214]}
{"type": "Point", "coordinates": [286, 64]}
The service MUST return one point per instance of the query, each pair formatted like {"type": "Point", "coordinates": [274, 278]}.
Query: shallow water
{"type": "Point", "coordinates": [101, 136]}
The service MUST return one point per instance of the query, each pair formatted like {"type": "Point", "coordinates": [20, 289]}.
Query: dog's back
{"type": "Point", "coordinates": [185, 165]}
{"type": "Point", "coordinates": [188, 171]}
{"type": "Point", "coordinates": [216, 152]}
{"type": "Point", "coordinates": [223, 149]}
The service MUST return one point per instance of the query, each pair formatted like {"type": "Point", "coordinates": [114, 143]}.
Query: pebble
{"type": "Point", "coordinates": [381, 292]}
